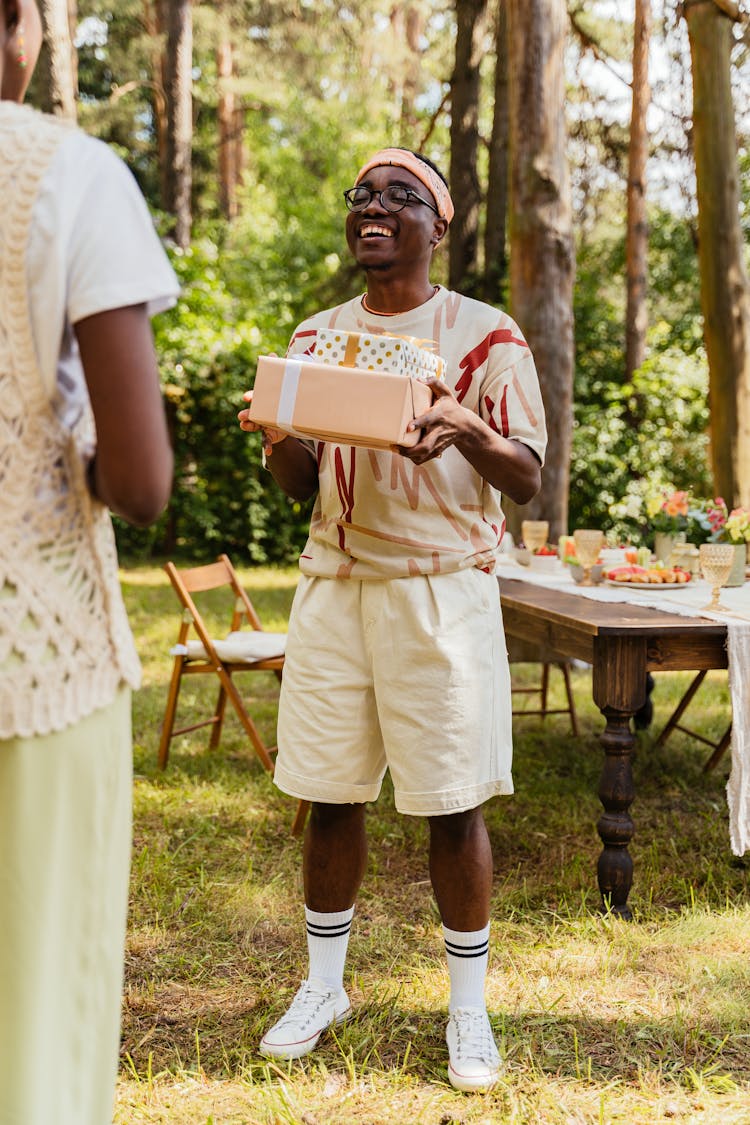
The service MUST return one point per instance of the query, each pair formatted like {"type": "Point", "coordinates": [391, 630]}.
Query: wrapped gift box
{"type": "Point", "coordinates": [401, 355]}
{"type": "Point", "coordinates": [348, 405]}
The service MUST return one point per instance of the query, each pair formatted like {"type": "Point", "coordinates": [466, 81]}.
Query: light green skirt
{"type": "Point", "coordinates": [65, 841]}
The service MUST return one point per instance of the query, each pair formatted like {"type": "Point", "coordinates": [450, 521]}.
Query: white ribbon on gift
{"type": "Point", "coordinates": [288, 393]}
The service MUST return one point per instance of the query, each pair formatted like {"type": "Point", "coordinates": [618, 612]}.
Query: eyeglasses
{"type": "Point", "coordinates": [393, 198]}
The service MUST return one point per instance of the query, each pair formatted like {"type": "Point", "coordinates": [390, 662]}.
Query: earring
{"type": "Point", "coordinates": [21, 56]}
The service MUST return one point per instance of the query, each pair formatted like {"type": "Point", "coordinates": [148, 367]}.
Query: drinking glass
{"type": "Point", "coordinates": [715, 562]}
{"type": "Point", "coordinates": [588, 545]}
{"type": "Point", "coordinates": [534, 534]}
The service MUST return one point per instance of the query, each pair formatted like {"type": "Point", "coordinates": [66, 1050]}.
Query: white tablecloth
{"type": "Point", "coordinates": [688, 600]}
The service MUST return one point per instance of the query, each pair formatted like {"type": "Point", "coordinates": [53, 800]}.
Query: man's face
{"type": "Point", "coordinates": [393, 241]}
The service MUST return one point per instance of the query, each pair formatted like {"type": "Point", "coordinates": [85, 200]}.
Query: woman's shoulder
{"type": "Point", "coordinates": [87, 156]}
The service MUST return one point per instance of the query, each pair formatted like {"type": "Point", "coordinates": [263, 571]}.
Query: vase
{"type": "Point", "coordinates": [737, 573]}
{"type": "Point", "coordinates": [664, 545]}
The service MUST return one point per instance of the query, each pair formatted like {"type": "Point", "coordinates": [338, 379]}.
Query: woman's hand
{"type": "Point", "coordinates": [271, 437]}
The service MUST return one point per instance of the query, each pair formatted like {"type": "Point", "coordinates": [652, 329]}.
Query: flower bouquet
{"type": "Point", "coordinates": [669, 512]}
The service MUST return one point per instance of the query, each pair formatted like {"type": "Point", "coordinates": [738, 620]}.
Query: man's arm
{"type": "Point", "coordinates": [291, 463]}
{"type": "Point", "coordinates": [509, 466]}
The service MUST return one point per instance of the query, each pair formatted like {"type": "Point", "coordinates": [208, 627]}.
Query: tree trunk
{"type": "Point", "coordinates": [178, 88]}
{"type": "Point", "coordinates": [725, 291]}
{"type": "Point", "coordinates": [407, 27]}
{"type": "Point", "coordinates": [542, 260]}
{"type": "Point", "coordinates": [72, 25]}
{"type": "Point", "coordinates": [636, 313]}
{"type": "Point", "coordinates": [228, 120]}
{"type": "Point", "coordinates": [155, 22]}
{"type": "Point", "coordinates": [495, 260]}
{"type": "Point", "coordinates": [464, 134]}
{"type": "Point", "coordinates": [58, 72]}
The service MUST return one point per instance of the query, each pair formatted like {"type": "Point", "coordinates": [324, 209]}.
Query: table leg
{"type": "Point", "coordinates": [619, 684]}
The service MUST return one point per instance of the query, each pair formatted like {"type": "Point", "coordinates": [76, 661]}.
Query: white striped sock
{"type": "Point", "coordinates": [468, 953]}
{"type": "Point", "coordinates": [327, 942]}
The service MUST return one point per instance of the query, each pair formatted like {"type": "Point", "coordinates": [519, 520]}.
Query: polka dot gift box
{"type": "Point", "coordinates": [397, 355]}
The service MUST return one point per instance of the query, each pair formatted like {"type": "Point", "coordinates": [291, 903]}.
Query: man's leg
{"type": "Point", "coordinates": [334, 860]}
{"type": "Point", "coordinates": [461, 869]}
{"type": "Point", "coordinates": [461, 874]}
{"type": "Point", "coordinates": [335, 856]}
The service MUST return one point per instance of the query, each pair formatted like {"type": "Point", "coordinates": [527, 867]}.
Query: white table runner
{"type": "Point", "coordinates": [688, 600]}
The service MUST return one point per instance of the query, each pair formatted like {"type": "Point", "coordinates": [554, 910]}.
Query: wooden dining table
{"type": "Point", "coordinates": [622, 643]}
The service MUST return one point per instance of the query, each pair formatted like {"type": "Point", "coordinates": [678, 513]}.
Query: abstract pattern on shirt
{"type": "Point", "coordinates": [377, 514]}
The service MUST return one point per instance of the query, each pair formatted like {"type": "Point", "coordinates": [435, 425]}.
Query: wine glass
{"type": "Point", "coordinates": [716, 562]}
{"type": "Point", "coordinates": [534, 534]}
{"type": "Point", "coordinates": [588, 545]}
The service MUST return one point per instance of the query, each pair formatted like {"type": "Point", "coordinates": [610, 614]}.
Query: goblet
{"type": "Point", "coordinates": [716, 562]}
{"type": "Point", "coordinates": [588, 545]}
{"type": "Point", "coordinates": [534, 534]}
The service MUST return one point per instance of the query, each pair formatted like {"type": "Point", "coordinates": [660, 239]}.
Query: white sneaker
{"type": "Point", "coordinates": [315, 1008]}
{"type": "Point", "coordinates": [474, 1059]}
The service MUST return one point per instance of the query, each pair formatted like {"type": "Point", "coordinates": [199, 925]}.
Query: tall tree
{"type": "Point", "coordinates": [636, 243]}
{"type": "Point", "coordinates": [407, 26]}
{"type": "Point", "coordinates": [57, 64]}
{"type": "Point", "coordinates": [542, 262]}
{"type": "Point", "coordinates": [464, 135]}
{"type": "Point", "coordinates": [178, 78]}
{"type": "Point", "coordinates": [496, 205]}
{"type": "Point", "coordinates": [230, 128]}
{"type": "Point", "coordinates": [725, 290]}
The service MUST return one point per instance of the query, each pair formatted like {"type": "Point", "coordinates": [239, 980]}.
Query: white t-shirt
{"type": "Point", "coordinates": [377, 514]}
{"type": "Point", "coordinates": [92, 248]}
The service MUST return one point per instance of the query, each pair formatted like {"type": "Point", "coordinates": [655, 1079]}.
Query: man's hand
{"type": "Point", "coordinates": [271, 437]}
{"type": "Point", "coordinates": [444, 423]}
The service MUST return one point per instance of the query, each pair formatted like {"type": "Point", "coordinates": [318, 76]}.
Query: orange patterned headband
{"type": "Point", "coordinates": [402, 158]}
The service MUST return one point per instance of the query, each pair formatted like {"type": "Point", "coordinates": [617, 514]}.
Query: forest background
{"type": "Point", "coordinates": [243, 121]}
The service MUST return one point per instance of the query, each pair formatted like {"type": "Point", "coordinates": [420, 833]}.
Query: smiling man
{"type": "Point", "coordinates": [396, 656]}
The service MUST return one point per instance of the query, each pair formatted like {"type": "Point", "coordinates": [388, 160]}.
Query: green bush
{"type": "Point", "coordinates": [223, 499]}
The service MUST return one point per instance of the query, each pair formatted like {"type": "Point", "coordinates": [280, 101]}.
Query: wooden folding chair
{"type": "Point", "coordinates": [521, 652]}
{"type": "Point", "coordinates": [197, 653]}
{"type": "Point", "coordinates": [674, 723]}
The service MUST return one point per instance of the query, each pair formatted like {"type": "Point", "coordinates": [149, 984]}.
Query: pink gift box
{"type": "Point", "coordinates": [338, 404]}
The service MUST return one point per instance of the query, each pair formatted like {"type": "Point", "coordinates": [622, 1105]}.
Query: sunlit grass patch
{"type": "Point", "coordinates": [600, 1021]}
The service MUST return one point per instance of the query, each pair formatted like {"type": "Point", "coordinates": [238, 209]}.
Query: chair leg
{"type": "Point", "coordinates": [246, 721]}
{"type": "Point", "coordinates": [565, 669]}
{"type": "Point", "coordinates": [721, 747]}
{"type": "Point", "coordinates": [221, 704]}
{"type": "Point", "coordinates": [169, 713]}
{"type": "Point", "coordinates": [300, 817]}
{"type": "Point", "coordinates": [679, 710]}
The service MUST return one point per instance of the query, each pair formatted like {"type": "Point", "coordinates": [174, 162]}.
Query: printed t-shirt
{"type": "Point", "coordinates": [378, 515]}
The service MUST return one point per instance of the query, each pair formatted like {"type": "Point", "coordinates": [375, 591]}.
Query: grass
{"type": "Point", "coordinates": [601, 1021]}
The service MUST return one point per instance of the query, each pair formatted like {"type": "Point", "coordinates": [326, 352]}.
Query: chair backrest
{"type": "Point", "coordinates": [200, 579]}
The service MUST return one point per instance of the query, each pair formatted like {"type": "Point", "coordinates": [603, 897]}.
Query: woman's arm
{"type": "Point", "coordinates": [132, 471]}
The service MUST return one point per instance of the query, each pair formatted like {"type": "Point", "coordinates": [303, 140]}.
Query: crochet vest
{"type": "Point", "coordinates": [65, 642]}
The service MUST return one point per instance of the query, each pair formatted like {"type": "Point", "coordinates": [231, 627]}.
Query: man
{"type": "Point", "coordinates": [396, 656]}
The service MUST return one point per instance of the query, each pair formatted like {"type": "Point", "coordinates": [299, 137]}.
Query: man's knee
{"type": "Point", "coordinates": [456, 827]}
{"type": "Point", "coordinates": [326, 817]}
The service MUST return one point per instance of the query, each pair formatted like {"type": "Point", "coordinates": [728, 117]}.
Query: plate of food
{"type": "Point", "coordinates": [649, 578]}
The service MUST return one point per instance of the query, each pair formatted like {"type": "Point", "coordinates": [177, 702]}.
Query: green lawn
{"type": "Point", "coordinates": [600, 1020]}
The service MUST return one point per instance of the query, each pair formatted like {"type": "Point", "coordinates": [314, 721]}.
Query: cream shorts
{"type": "Point", "coordinates": [406, 674]}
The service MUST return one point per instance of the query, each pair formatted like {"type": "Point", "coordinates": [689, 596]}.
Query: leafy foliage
{"type": "Point", "coordinates": [223, 498]}
{"type": "Point", "coordinates": [637, 437]}
{"type": "Point", "coordinates": [320, 84]}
